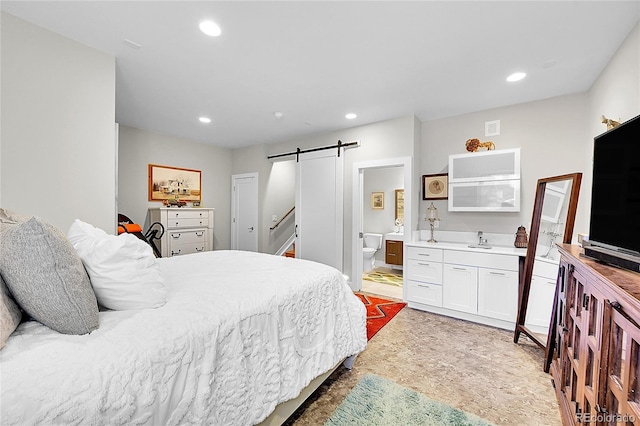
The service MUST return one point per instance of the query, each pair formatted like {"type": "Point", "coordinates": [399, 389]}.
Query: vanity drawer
{"type": "Point", "coordinates": [428, 294]}
{"type": "Point", "coordinates": [424, 270]}
{"type": "Point", "coordinates": [424, 253]}
{"type": "Point", "coordinates": [483, 260]}
{"type": "Point", "coordinates": [190, 236]}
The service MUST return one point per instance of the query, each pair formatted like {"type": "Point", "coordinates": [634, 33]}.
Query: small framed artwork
{"type": "Point", "coordinates": [173, 183]}
{"type": "Point", "coordinates": [435, 187]}
{"type": "Point", "coordinates": [377, 200]}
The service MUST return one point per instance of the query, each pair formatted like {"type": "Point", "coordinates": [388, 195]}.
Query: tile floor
{"type": "Point", "coordinates": [470, 366]}
{"type": "Point", "coordinates": [384, 290]}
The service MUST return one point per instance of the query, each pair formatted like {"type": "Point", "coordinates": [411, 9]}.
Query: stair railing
{"type": "Point", "coordinates": [282, 218]}
{"type": "Point", "coordinates": [287, 245]}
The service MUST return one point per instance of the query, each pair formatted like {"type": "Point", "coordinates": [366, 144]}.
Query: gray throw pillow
{"type": "Point", "coordinates": [47, 278]}
{"type": "Point", "coordinates": [10, 314]}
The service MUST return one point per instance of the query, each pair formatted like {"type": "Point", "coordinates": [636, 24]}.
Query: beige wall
{"type": "Point", "coordinates": [58, 127]}
{"type": "Point", "coordinates": [550, 133]}
{"type": "Point", "coordinates": [138, 148]}
{"type": "Point", "coordinates": [616, 95]}
{"type": "Point", "coordinates": [555, 135]}
{"type": "Point", "coordinates": [386, 139]}
{"type": "Point", "coordinates": [276, 186]}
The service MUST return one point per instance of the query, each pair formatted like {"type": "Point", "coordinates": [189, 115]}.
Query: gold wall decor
{"type": "Point", "coordinates": [610, 123]}
{"type": "Point", "coordinates": [377, 200]}
{"type": "Point", "coordinates": [474, 144]}
{"type": "Point", "coordinates": [435, 187]}
{"type": "Point", "coordinates": [399, 207]}
{"type": "Point", "coordinates": [174, 183]}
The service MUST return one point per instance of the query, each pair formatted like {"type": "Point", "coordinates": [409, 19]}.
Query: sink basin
{"type": "Point", "coordinates": [397, 236]}
{"type": "Point", "coordinates": [482, 246]}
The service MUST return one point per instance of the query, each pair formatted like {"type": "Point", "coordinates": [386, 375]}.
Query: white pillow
{"type": "Point", "coordinates": [123, 270]}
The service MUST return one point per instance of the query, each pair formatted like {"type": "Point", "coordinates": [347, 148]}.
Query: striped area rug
{"type": "Point", "coordinates": [383, 277]}
{"type": "Point", "coordinates": [377, 401]}
{"type": "Point", "coordinates": [379, 312]}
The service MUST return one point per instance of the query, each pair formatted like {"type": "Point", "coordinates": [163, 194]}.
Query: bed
{"type": "Point", "coordinates": [240, 334]}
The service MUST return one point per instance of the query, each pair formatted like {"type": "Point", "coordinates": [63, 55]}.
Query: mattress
{"type": "Point", "coordinates": [240, 333]}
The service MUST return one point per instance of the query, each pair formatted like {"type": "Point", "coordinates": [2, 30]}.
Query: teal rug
{"type": "Point", "coordinates": [376, 401]}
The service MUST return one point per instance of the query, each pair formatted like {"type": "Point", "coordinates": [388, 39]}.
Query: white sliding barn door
{"type": "Point", "coordinates": [244, 212]}
{"type": "Point", "coordinates": [319, 211]}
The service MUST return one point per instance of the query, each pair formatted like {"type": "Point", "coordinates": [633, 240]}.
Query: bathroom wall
{"type": "Point", "coordinates": [386, 180]}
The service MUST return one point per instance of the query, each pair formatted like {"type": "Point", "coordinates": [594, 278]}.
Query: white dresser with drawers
{"type": "Point", "coordinates": [187, 230]}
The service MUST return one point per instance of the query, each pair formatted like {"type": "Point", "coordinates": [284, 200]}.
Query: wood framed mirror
{"type": "Point", "coordinates": [554, 212]}
{"type": "Point", "coordinates": [399, 205]}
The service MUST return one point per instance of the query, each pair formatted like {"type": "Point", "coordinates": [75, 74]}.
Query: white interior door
{"type": "Point", "coordinates": [244, 212]}
{"type": "Point", "coordinates": [319, 192]}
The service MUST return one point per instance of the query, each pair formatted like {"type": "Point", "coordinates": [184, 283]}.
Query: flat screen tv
{"type": "Point", "coordinates": [614, 230]}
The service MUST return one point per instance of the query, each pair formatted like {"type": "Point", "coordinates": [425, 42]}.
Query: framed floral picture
{"type": "Point", "coordinates": [435, 187]}
{"type": "Point", "coordinates": [174, 183]}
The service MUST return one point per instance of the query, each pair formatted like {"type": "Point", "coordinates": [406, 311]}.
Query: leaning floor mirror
{"type": "Point", "coordinates": [552, 223]}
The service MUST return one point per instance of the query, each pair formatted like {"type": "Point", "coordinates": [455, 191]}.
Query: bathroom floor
{"type": "Point", "coordinates": [383, 282]}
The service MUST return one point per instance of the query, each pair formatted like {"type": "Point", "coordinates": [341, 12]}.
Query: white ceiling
{"type": "Point", "coordinates": [317, 61]}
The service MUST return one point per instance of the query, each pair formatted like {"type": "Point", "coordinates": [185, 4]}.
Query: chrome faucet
{"type": "Point", "coordinates": [479, 237]}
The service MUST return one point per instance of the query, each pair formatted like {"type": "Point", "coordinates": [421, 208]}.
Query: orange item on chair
{"type": "Point", "coordinates": [129, 227]}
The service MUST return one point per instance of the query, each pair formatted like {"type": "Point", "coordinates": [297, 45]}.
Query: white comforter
{"type": "Point", "coordinates": [241, 332]}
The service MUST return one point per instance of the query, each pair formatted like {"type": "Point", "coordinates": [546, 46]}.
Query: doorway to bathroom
{"type": "Point", "coordinates": [382, 212]}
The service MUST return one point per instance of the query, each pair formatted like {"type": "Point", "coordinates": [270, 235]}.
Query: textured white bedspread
{"type": "Point", "coordinates": [241, 332]}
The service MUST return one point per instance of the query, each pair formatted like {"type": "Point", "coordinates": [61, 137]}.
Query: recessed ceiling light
{"type": "Point", "coordinates": [278, 115]}
{"type": "Point", "coordinates": [210, 28]}
{"type": "Point", "coordinates": [350, 116]}
{"type": "Point", "coordinates": [205, 120]}
{"type": "Point", "coordinates": [516, 76]}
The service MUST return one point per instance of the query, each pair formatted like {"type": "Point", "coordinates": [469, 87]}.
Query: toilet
{"type": "Point", "coordinates": [372, 242]}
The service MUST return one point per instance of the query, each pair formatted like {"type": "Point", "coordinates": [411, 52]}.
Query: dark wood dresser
{"type": "Point", "coordinates": [595, 360]}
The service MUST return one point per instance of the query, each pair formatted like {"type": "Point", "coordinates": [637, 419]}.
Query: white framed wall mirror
{"type": "Point", "coordinates": [552, 222]}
